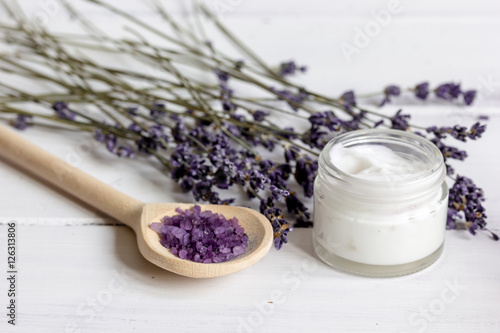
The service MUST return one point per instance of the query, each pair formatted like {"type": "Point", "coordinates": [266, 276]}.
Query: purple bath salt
{"type": "Point", "coordinates": [204, 237]}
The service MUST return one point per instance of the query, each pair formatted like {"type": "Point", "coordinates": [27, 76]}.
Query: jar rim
{"type": "Point", "coordinates": [430, 177]}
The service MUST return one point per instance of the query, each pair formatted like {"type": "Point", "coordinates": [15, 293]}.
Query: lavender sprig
{"type": "Point", "coordinates": [449, 91]}
{"type": "Point", "coordinates": [465, 209]}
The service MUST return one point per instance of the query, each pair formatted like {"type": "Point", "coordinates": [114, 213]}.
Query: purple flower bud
{"type": "Point", "coordinates": [291, 97]}
{"type": "Point", "coordinates": [389, 91]}
{"type": "Point", "coordinates": [99, 135]}
{"type": "Point", "coordinates": [469, 96]}
{"type": "Point", "coordinates": [111, 143]}
{"type": "Point", "coordinates": [125, 151]}
{"type": "Point", "coordinates": [422, 90]}
{"type": "Point", "coordinates": [21, 122]}
{"type": "Point", "coordinates": [443, 91]}
{"type": "Point", "coordinates": [448, 91]}
{"type": "Point", "coordinates": [327, 119]}
{"type": "Point", "coordinates": [348, 99]}
{"type": "Point", "coordinates": [449, 151]}
{"type": "Point", "coordinates": [221, 75]}
{"type": "Point", "coordinates": [465, 205]}
{"type": "Point", "coordinates": [392, 90]}
{"type": "Point", "coordinates": [260, 115]}
{"type": "Point", "coordinates": [400, 121]}
{"type": "Point", "coordinates": [62, 111]}
{"type": "Point", "coordinates": [476, 131]}
{"type": "Point", "coordinates": [455, 90]}
{"type": "Point", "coordinates": [134, 127]}
{"type": "Point", "coordinates": [290, 68]}
{"type": "Point", "coordinates": [157, 111]}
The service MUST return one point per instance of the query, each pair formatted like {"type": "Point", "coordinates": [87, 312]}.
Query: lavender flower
{"type": "Point", "coordinates": [449, 151]}
{"type": "Point", "coordinates": [125, 151]}
{"type": "Point", "coordinates": [260, 115]}
{"type": "Point", "coordinates": [315, 137]}
{"type": "Point", "coordinates": [326, 119]}
{"type": "Point", "coordinates": [290, 68]}
{"type": "Point", "coordinates": [400, 121]}
{"type": "Point", "coordinates": [221, 75]}
{"type": "Point", "coordinates": [458, 132]}
{"type": "Point", "coordinates": [152, 139]}
{"type": "Point", "coordinates": [280, 226]}
{"type": "Point", "coordinates": [448, 91]}
{"type": "Point", "coordinates": [157, 111]}
{"type": "Point", "coordinates": [355, 122]}
{"type": "Point", "coordinates": [476, 131]}
{"type": "Point", "coordinates": [443, 91]}
{"type": "Point", "coordinates": [389, 91]}
{"type": "Point", "coordinates": [291, 97]}
{"type": "Point", "coordinates": [465, 206]}
{"type": "Point", "coordinates": [187, 184]}
{"type": "Point", "coordinates": [278, 193]}
{"type": "Point", "coordinates": [348, 100]}
{"type": "Point", "coordinates": [291, 153]}
{"type": "Point", "coordinates": [62, 111]}
{"type": "Point", "coordinates": [294, 205]}
{"type": "Point", "coordinates": [99, 135]}
{"type": "Point", "coordinates": [281, 229]}
{"type": "Point", "coordinates": [111, 143]}
{"type": "Point", "coordinates": [422, 90]}
{"type": "Point", "coordinates": [469, 96]}
{"type": "Point", "coordinates": [225, 92]}
{"type": "Point", "coordinates": [305, 173]}
{"type": "Point", "coordinates": [21, 122]}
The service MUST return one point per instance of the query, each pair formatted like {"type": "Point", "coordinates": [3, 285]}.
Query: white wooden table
{"type": "Point", "coordinates": [80, 273]}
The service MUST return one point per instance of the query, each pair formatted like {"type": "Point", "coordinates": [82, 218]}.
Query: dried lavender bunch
{"type": "Point", "coordinates": [208, 136]}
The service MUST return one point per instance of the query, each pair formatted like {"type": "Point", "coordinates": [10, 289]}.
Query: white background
{"type": "Point", "coordinates": [70, 254]}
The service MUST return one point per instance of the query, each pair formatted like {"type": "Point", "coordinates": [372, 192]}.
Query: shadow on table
{"type": "Point", "coordinates": [151, 278]}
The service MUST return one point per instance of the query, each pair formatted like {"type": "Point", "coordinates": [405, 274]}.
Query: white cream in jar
{"type": "Point", "coordinates": [380, 203]}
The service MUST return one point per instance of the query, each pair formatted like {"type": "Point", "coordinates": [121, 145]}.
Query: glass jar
{"type": "Point", "coordinates": [380, 223]}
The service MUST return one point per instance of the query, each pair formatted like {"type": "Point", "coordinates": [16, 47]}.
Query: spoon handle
{"type": "Point", "coordinates": [68, 178]}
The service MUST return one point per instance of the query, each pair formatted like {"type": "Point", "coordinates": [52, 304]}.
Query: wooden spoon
{"type": "Point", "coordinates": [135, 214]}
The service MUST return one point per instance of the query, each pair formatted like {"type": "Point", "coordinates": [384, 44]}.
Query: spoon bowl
{"type": "Point", "coordinates": [138, 215]}
{"type": "Point", "coordinates": [256, 226]}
